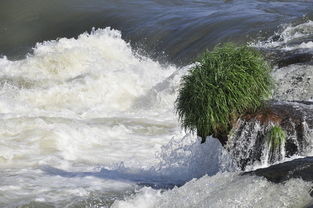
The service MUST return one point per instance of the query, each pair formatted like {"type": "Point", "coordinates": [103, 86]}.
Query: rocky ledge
{"type": "Point", "coordinates": [247, 140]}
{"type": "Point", "coordinates": [298, 168]}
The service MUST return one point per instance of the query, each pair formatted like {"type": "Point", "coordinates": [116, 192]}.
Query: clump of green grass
{"type": "Point", "coordinates": [275, 137]}
{"type": "Point", "coordinates": [227, 82]}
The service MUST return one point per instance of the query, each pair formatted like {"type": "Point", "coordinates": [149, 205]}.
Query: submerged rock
{"type": "Point", "coordinates": [247, 141]}
{"type": "Point", "coordinates": [283, 58]}
{"type": "Point", "coordinates": [298, 168]}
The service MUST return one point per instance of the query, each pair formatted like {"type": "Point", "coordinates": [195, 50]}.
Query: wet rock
{"type": "Point", "coordinates": [295, 59]}
{"type": "Point", "coordinates": [298, 168]}
{"type": "Point", "coordinates": [283, 58]}
{"type": "Point", "coordinates": [292, 73]}
{"type": "Point", "coordinates": [247, 140]}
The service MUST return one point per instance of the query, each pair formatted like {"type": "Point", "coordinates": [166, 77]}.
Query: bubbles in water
{"type": "Point", "coordinates": [92, 103]}
{"type": "Point", "coordinates": [224, 190]}
{"type": "Point", "coordinates": [97, 71]}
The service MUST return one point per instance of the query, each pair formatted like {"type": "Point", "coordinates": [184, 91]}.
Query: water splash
{"type": "Point", "coordinates": [224, 190]}
{"type": "Point", "coordinates": [181, 160]}
{"type": "Point", "coordinates": [290, 37]}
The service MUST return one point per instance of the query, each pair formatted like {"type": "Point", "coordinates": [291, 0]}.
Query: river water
{"type": "Point", "coordinates": [87, 91]}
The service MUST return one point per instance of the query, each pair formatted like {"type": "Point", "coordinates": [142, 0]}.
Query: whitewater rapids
{"type": "Point", "coordinates": [88, 122]}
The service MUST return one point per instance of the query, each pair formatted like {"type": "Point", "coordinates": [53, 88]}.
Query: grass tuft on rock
{"type": "Point", "coordinates": [225, 83]}
{"type": "Point", "coordinates": [275, 137]}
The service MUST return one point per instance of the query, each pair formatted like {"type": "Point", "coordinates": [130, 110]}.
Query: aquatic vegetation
{"type": "Point", "coordinates": [275, 137]}
{"type": "Point", "coordinates": [227, 82]}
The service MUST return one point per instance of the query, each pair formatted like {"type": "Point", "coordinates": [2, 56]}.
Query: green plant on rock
{"type": "Point", "coordinates": [275, 137]}
{"type": "Point", "coordinates": [225, 83]}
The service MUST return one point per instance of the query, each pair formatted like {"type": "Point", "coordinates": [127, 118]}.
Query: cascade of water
{"type": "Point", "coordinates": [248, 143]}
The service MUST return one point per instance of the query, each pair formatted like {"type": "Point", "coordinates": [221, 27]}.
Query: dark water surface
{"type": "Point", "coordinates": [178, 29]}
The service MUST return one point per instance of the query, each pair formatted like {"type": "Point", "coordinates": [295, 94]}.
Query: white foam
{"type": "Point", "coordinates": [78, 111]}
{"type": "Point", "coordinates": [226, 190]}
{"type": "Point", "coordinates": [81, 105]}
{"type": "Point", "coordinates": [37, 185]}
{"type": "Point", "coordinates": [77, 98]}
{"type": "Point", "coordinates": [290, 38]}
{"type": "Point", "coordinates": [90, 114]}
{"type": "Point", "coordinates": [97, 71]}
{"type": "Point", "coordinates": [179, 161]}
{"type": "Point", "coordinates": [187, 158]}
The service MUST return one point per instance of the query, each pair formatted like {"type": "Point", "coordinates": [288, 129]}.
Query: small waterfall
{"type": "Point", "coordinates": [247, 141]}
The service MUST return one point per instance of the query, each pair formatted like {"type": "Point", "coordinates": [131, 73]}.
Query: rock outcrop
{"type": "Point", "coordinates": [283, 58]}
{"type": "Point", "coordinates": [292, 73]}
{"type": "Point", "coordinates": [247, 142]}
{"type": "Point", "coordinates": [298, 168]}
{"type": "Point", "coordinates": [293, 77]}
{"type": "Point", "coordinates": [293, 82]}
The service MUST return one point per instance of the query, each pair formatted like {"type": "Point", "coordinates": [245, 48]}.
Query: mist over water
{"type": "Point", "coordinates": [87, 119]}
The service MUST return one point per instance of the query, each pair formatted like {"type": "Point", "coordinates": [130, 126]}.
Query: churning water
{"type": "Point", "coordinates": [90, 121]}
